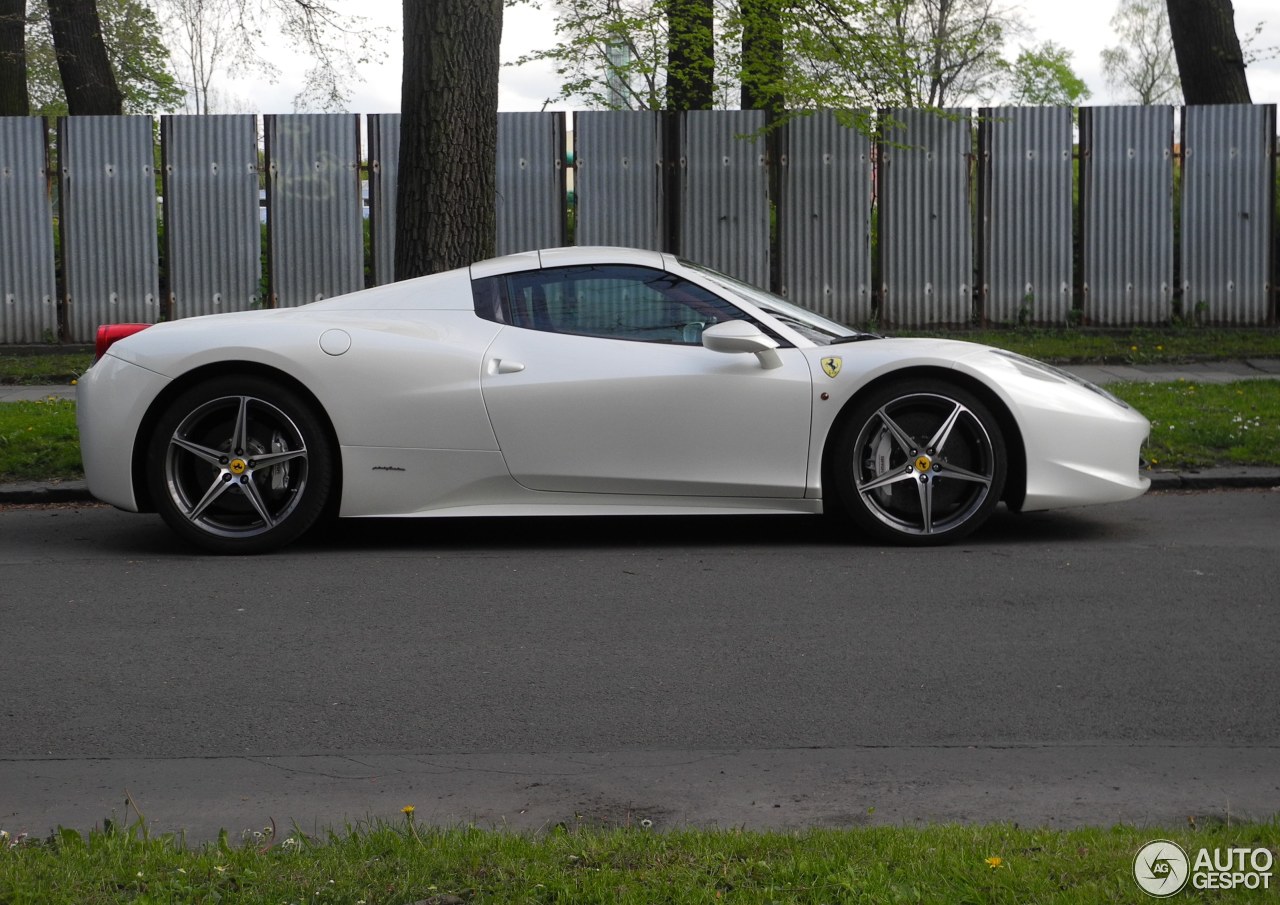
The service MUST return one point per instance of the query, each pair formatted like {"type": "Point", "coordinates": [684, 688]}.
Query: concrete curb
{"type": "Point", "coordinates": [52, 492]}
{"type": "Point", "coordinates": [1217, 479]}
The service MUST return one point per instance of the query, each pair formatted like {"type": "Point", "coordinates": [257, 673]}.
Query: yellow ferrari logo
{"type": "Point", "coordinates": [923, 464]}
{"type": "Point", "coordinates": [238, 466]}
{"type": "Point", "coordinates": [831, 366]}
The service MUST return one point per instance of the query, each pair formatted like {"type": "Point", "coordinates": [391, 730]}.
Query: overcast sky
{"type": "Point", "coordinates": [1083, 26]}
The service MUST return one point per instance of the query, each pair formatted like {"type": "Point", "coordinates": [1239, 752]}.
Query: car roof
{"type": "Point", "coordinates": [567, 257]}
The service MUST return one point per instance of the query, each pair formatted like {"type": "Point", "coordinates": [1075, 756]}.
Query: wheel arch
{"type": "Point", "coordinates": [1015, 488]}
{"type": "Point", "coordinates": [196, 376]}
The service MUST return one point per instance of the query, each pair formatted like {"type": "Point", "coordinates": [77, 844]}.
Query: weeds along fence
{"type": "Point", "coordinates": [1111, 216]}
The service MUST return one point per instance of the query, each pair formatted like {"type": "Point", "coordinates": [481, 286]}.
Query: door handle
{"type": "Point", "coordinates": [505, 366]}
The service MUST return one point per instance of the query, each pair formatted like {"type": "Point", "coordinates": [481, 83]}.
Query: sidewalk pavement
{"type": "Point", "coordinates": [1203, 479]}
{"type": "Point", "coordinates": [36, 394]}
{"type": "Point", "coordinates": [1202, 372]}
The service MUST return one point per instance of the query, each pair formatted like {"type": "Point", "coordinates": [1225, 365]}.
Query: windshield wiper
{"type": "Point", "coordinates": [854, 338]}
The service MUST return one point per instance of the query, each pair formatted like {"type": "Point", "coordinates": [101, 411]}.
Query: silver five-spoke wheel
{"type": "Point", "coordinates": [920, 463]}
{"type": "Point", "coordinates": [239, 465]}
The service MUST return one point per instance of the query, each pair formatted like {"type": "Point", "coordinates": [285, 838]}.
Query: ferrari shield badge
{"type": "Point", "coordinates": [831, 365]}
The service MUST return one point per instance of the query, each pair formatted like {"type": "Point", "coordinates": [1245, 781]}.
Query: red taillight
{"type": "Point", "coordinates": [110, 333]}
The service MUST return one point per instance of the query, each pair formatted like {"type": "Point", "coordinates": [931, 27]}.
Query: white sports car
{"type": "Point", "coordinates": [582, 381]}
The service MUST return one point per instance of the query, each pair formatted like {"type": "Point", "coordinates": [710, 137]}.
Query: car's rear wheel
{"type": "Point", "coordinates": [922, 462]}
{"type": "Point", "coordinates": [240, 465]}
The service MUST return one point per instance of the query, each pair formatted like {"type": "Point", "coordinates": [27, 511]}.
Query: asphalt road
{"type": "Point", "coordinates": [1081, 667]}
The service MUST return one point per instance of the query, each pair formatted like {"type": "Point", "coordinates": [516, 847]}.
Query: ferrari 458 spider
{"type": "Point", "coordinates": [582, 381]}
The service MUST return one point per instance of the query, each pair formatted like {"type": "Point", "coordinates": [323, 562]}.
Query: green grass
{"type": "Point", "coordinates": [1199, 424]}
{"type": "Point", "coordinates": [396, 865]}
{"type": "Point", "coordinates": [34, 369]}
{"type": "Point", "coordinates": [39, 441]}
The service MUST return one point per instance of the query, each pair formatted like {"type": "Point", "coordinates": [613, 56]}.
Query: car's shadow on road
{"type": "Point", "coordinates": [132, 533]}
{"type": "Point", "coordinates": [608, 532]}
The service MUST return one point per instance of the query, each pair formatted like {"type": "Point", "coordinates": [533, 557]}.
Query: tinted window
{"type": "Point", "coordinates": [616, 302]}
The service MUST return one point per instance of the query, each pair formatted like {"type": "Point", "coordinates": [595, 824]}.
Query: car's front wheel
{"type": "Point", "coordinates": [240, 465]}
{"type": "Point", "coordinates": [922, 462]}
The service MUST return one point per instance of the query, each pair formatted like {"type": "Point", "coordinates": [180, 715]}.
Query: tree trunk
{"type": "Point", "coordinates": [13, 58]}
{"type": "Point", "coordinates": [691, 53]}
{"type": "Point", "coordinates": [762, 62]}
{"type": "Point", "coordinates": [448, 135]}
{"type": "Point", "coordinates": [1210, 63]}
{"type": "Point", "coordinates": [87, 79]}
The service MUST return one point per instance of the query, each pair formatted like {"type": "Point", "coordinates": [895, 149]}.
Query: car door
{"type": "Point", "coordinates": [599, 383]}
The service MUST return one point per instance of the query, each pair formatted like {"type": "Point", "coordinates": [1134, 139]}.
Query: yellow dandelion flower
{"type": "Point", "coordinates": [407, 810]}
{"type": "Point", "coordinates": [995, 861]}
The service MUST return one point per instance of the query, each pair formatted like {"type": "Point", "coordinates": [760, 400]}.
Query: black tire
{"type": "Point", "coordinates": [240, 465]}
{"type": "Point", "coordinates": [919, 463]}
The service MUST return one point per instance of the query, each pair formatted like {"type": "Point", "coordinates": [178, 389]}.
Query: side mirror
{"type": "Point", "coordinates": [742, 336]}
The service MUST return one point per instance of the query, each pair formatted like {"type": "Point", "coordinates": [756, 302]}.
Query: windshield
{"type": "Point", "coordinates": [812, 326]}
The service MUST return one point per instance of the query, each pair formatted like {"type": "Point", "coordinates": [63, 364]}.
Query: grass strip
{"type": "Point", "coordinates": [1196, 425]}
{"type": "Point", "coordinates": [384, 864]}
{"type": "Point", "coordinates": [39, 441]}
{"type": "Point", "coordinates": [36, 368]}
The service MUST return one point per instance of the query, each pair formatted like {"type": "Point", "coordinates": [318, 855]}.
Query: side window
{"type": "Point", "coordinates": [490, 296]}
{"type": "Point", "coordinates": [610, 301]}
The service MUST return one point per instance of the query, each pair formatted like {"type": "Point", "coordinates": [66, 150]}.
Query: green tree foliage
{"type": "Point", "coordinates": [611, 55]}
{"type": "Point", "coordinates": [1142, 67]}
{"type": "Point", "coordinates": [691, 54]}
{"type": "Point", "coordinates": [1042, 76]}
{"type": "Point", "coordinates": [763, 64]}
{"type": "Point", "coordinates": [774, 53]}
{"type": "Point", "coordinates": [137, 54]}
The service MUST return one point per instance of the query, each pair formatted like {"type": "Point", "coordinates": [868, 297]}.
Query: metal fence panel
{"type": "Point", "coordinates": [109, 249]}
{"type": "Point", "coordinates": [926, 232]}
{"type": "Point", "coordinates": [824, 218]}
{"type": "Point", "coordinates": [531, 198]}
{"type": "Point", "coordinates": [1026, 201]}
{"type": "Point", "coordinates": [1227, 185]}
{"type": "Point", "coordinates": [618, 178]}
{"type": "Point", "coordinates": [28, 282]}
{"type": "Point", "coordinates": [314, 206]}
{"type": "Point", "coordinates": [724, 207]}
{"type": "Point", "coordinates": [1127, 214]}
{"type": "Point", "coordinates": [213, 234]}
{"type": "Point", "coordinates": [384, 173]}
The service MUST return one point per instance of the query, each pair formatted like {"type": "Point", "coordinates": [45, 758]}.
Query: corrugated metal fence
{"type": "Point", "coordinates": [1012, 215]}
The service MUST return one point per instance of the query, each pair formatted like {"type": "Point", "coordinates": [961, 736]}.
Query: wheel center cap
{"type": "Point", "coordinates": [238, 466]}
{"type": "Point", "coordinates": [923, 464]}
